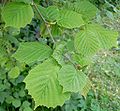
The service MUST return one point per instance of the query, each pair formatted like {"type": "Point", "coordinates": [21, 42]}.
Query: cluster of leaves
{"type": "Point", "coordinates": [56, 50]}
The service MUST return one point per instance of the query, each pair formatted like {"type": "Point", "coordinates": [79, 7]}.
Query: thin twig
{"type": "Point", "coordinates": [46, 23]}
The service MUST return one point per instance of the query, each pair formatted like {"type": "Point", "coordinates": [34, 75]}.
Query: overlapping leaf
{"type": "Point", "coordinates": [87, 9]}
{"type": "Point", "coordinates": [93, 38]}
{"type": "Point", "coordinates": [71, 79]}
{"type": "Point", "coordinates": [70, 19]}
{"type": "Point", "coordinates": [50, 13]}
{"type": "Point", "coordinates": [17, 14]}
{"type": "Point", "coordinates": [30, 52]}
{"type": "Point", "coordinates": [43, 86]}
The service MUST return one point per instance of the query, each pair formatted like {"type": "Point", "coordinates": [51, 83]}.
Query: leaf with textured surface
{"type": "Point", "coordinates": [71, 79]}
{"type": "Point", "coordinates": [93, 38]}
{"type": "Point", "coordinates": [86, 88]}
{"type": "Point", "coordinates": [83, 61]}
{"type": "Point", "coordinates": [30, 52]}
{"type": "Point", "coordinates": [87, 9]}
{"type": "Point", "coordinates": [58, 53]}
{"type": "Point", "coordinates": [46, 89]}
{"type": "Point", "coordinates": [50, 13]}
{"type": "Point", "coordinates": [70, 19]}
{"type": "Point", "coordinates": [17, 14]}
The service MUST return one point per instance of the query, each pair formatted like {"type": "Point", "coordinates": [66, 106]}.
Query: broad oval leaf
{"type": "Point", "coordinates": [71, 79]}
{"type": "Point", "coordinates": [70, 19]}
{"type": "Point", "coordinates": [93, 38]}
{"type": "Point", "coordinates": [43, 85]}
{"type": "Point", "coordinates": [17, 14]}
{"type": "Point", "coordinates": [30, 52]}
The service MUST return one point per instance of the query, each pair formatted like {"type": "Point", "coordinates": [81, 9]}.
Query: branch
{"type": "Point", "coordinates": [46, 23]}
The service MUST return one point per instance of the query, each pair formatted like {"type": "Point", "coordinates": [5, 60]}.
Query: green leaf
{"type": "Point", "coordinates": [93, 38]}
{"type": "Point", "coordinates": [43, 85]}
{"type": "Point", "coordinates": [27, 109]}
{"type": "Point", "coordinates": [16, 103]}
{"type": "Point", "coordinates": [50, 13]}
{"type": "Point", "coordinates": [30, 52]}
{"type": "Point", "coordinates": [71, 79]}
{"type": "Point", "coordinates": [70, 19]}
{"type": "Point", "coordinates": [86, 88]}
{"type": "Point", "coordinates": [17, 14]}
{"type": "Point", "coordinates": [87, 9]}
{"type": "Point", "coordinates": [14, 72]}
{"type": "Point", "coordinates": [9, 99]}
{"type": "Point", "coordinates": [82, 60]}
{"type": "Point", "coordinates": [58, 53]}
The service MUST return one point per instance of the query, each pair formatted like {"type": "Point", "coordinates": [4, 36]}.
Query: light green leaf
{"type": "Point", "coordinates": [71, 79]}
{"type": "Point", "coordinates": [43, 86]}
{"type": "Point", "coordinates": [87, 9]}
{"type": "Point", "coordinates": [30, 52]}
{"type": "Point", "coordinates": [82, 60]}
{"type": "Point", "coordinates": [50, 13]}
{"type": "Point", "coordinates": [14, 72]}
{"type": "Point", "coordinates": [93, 38]}
{"type": "Point", "coordinates": [70, 19]}
{"type": "Point", "coordinates": [86, 88]}
{"type": "Point", "coordinates": [59, 52]}
{"type": "Point", "coordinates": [17, 14]}
{"type": "Point", "coordinates": [107, 38]}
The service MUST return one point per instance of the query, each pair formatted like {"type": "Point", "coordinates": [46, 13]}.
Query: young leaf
{"type": "Point", "coordinates": [17, 14]}
{"type": "Point", "coordinates": [43, 86]}
{"type": "Point", "coordinates": [71, 79]}
{"type": "Point", "coordinates": [50, 13]}
{"type": "Point", "coordinates": [70, 19]}
{"type": "Point", "coordinates": [30, 52]}
{"type": "Point", "coordinates": [93, 38]}
{"type": "Point", "coordinates": [14, 72]}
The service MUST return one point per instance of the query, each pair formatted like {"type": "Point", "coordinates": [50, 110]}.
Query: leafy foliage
{"type": "Point", "coordinates": [51, 54]}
